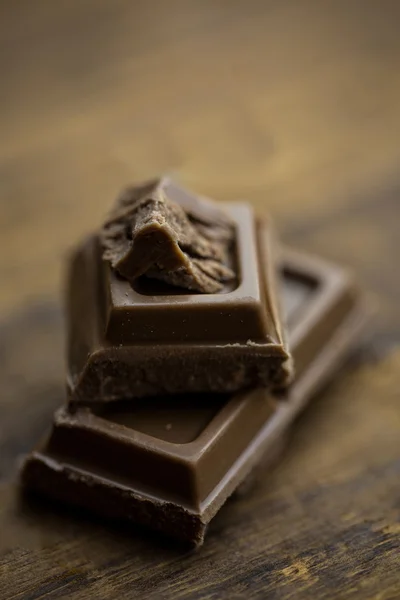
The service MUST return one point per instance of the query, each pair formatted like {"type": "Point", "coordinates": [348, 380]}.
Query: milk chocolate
{"type": "Point", "coordinates": [145, 338]}
{"type": "Point", "coordinates": [170, 463]}
{"type": "Point", "coordinates": [149, 233]}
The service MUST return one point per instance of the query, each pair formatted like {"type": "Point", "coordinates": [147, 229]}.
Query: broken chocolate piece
{"type": "Point", "coordinates": [129, 341]}
{"type": "Point", "coordinates": [170, 463]}
{"type": "Point", "coordinates": [149, 233]}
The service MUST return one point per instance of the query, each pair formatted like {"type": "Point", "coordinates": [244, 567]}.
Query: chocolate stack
{"type": "Point", "coordinates": [179, 375]}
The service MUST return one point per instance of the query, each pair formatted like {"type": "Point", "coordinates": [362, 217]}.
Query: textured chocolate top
{"type": "Point", "coordinates": [149, 233]}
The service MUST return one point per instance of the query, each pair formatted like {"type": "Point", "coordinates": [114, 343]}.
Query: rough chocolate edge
{"type": "Point", "coordinates": [48, 477]}
{"type": "Point", "coordinates": [149, 233]}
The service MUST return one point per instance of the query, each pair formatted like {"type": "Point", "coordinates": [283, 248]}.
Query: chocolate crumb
{"type": "Point", "coordinates": [148, 233]}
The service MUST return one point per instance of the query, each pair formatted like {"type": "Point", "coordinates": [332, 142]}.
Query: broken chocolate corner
{"type": "Point", "coordinates": [150, 233]}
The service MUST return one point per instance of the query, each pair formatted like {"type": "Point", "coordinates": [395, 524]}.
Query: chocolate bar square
{"type": "Point", "coordinates": [130, 340]}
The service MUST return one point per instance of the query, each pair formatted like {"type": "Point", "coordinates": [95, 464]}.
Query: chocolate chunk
{"type": "Point", "coordinates": [170, 463]}
{"type": "Point", "coordinates": [147, 338]}
{"type": "Point", "coordinates": [149, 233]}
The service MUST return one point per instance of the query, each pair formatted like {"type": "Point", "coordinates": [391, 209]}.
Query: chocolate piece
{"type": "Point", "coordinates": [131, 342]}
{"type": "Point", "coordinates": [149, 233]}
{"type": "Point", "coordinates": [170, 464]}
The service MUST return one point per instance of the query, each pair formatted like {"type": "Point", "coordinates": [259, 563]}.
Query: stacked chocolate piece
{"type": "Point", "coordinates": [180, 379]}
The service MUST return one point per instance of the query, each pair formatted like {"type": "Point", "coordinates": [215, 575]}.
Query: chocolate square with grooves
{"type": "Point", "coordinates": [124, 343]}
{"type": "Point", "coordinates": [234, 315]}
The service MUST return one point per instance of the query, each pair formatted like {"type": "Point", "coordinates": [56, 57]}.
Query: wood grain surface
{"type": "Point", "coordinates": [294, 105]}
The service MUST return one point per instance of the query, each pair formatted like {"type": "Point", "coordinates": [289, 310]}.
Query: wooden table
{"type": "Point", "coordinates": [293, 105]}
